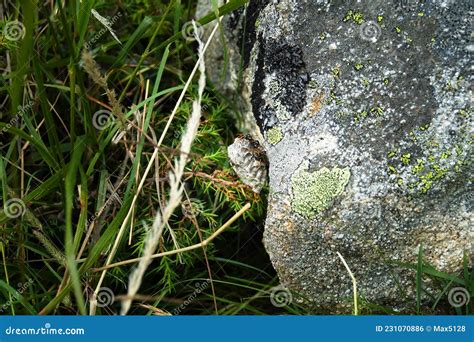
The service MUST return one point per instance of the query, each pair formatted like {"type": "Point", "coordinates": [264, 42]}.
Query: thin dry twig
{"type": "Point", "coordinates": [175, 194]}
{"type": "Point", "coordinates": [184, 249]}
{"type": "Point", "coordinates": [176, 190]}
{"type": "Point", "coordinates": [93, 302]}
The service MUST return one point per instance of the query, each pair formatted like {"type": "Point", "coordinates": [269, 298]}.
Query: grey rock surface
{"type": "Point", "coordinates": [365, 111]}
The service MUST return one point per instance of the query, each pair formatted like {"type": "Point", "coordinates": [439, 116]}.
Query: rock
{"type": "Point", "coordinates": [365, 111]}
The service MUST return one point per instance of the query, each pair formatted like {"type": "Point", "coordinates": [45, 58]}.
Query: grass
{"type": "Point", "coordinates": [77, 132]}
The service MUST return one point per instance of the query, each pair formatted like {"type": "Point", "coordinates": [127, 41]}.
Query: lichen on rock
{"type": "Point", "coordinates": [389, 107]}
{"type": "Point", "coordinates": [274, 135]}
{"type": "Point", "coordinates": [313, 192]}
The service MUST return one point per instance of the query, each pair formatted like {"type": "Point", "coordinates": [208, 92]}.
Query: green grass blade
{"type": "Point", "coordinates": [69, 242]}
{"type": "Point", "coordinates": [133, 39]}
{"type": "Point", "coordinates": [39, 145]}
{"type": "Point", "coordinates": [419, 275]}
{"type": "Point", "coordinates": [147, 119]}
{"type": "Point", "coordinates": [17, 295]}
{"type": "Point", "coordinates": [83, 20]}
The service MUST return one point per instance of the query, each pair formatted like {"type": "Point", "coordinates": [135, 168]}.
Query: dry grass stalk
{"type": "Point", "coordinates": [93, 302]}
{"type": "Point", "coordinates": [354, 284]}
{"type": "Point", "coordinates": [183, 249]}
{"type": "Point", "coordinates": [176, 188]}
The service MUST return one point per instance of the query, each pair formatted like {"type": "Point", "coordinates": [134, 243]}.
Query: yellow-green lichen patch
{"type": "Point", "coordinates": [375, 112]}
{"type": "Point", "coordinates": [274, 135]}
{"type": "Point", "coordinates": [358, 66]}
{"type": "Point", "coordinates": [418, 176]}
{"type": "Point", "coordinates": [314, 192]}
{"type": "Point", "coordinates": [356, 17]}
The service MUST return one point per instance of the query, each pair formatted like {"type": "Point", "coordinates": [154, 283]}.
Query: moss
{"type": "Point", "coordinates": [274, 135]}
{"type": "Point", "coordinates": [314, 192]}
